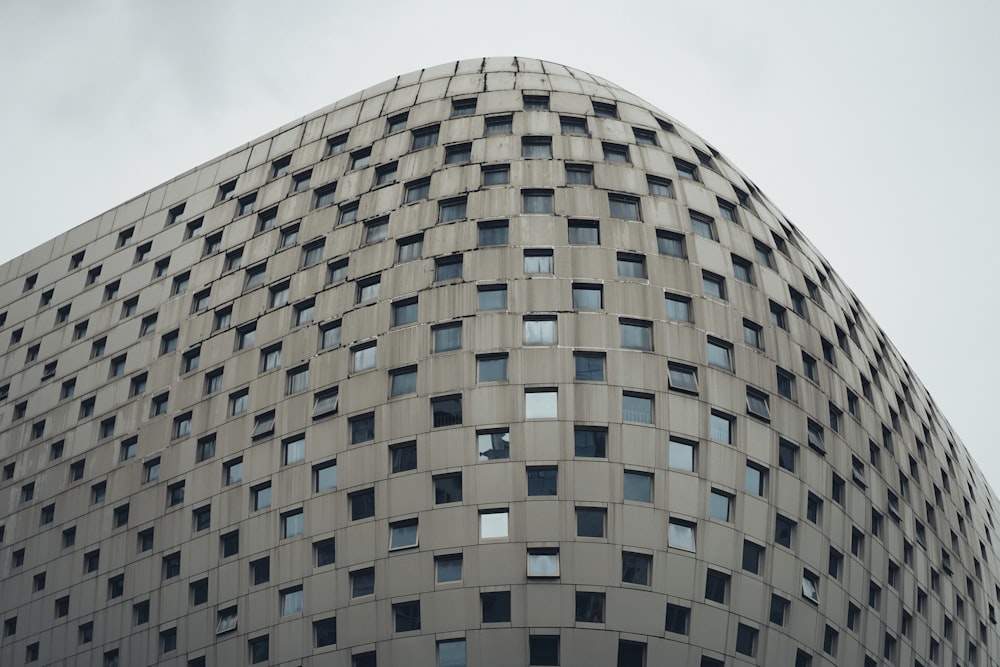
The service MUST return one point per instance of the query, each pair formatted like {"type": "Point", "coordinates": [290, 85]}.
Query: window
{"type": "Point", "coordinates": [493, 444]}
{"type": "Point", "coordinates": [403, 457]}
{"type": "Point", "coordinates": [446, 411]}
{"type": "Point", "coordinates": [678, 618]}
{"type": "Point", "coordinates": [787, 453]}
{"type": "Point", "coordinates": [325, 402]}
{"type": "Point", "coordinates": [403, 381]}
{"type": "Point", "coordinates": [683, 378]}
{"type": "Point", "coordinates": [360, 159]}
{"type": "Point", "coordinates": [753, 556]}
{"type": "Point", "coordinates": [245, 204]}
{"type": "Point", "coordinates": [397, 123]}
{"type": "Point", "coordinates": [746, 640]}
{"type": "Point", "coordinates": [702, 225]}
{"type": "Point", "coordinates": [810, 586]}
{"type": "Point", "coordinates": [784, 529]}
{"type": "Point", "coordinates": [810, 368]}
{"type": "Point", "coordinates": [348, 213]}
{"type": "Point", "coordinates": [537, 261]}
{"type": "Point", "coordinates": [605, 110]}
{"type": "Point", "coordinates": [572, 125]}
{"type": "Point", "coordinates": [376, 230]}
{"type": "Point", "coordinates": [403, 534]}
{"type": "Point", "coordinates": [495, 607]}
{"type": "Point", "coordinates": [362, 428]}
{"type": "Point", "coordinates": [499, 124]}
{"type": "Point", "coordinates": [540, 404]}
{"type": "Point", "coordinates": [230, 543]}
{"type": "Point", "coordinates": [757, 404]}
{"type": "Point", "coordinates": [458, 153]}
{"type": "Point", "coordinates": [579, 174]}
{"type": "Point", "coordinates": [716, 586]}
{"type": "Point", "coordinates": [543, 562]}
{"type": "Point", "coordinates": [589, 366]}
{"type": "Point", "coordinates": [385, 174]}
{"type": "Point", "coordinates": [410, 248]}
{"type": "Point", "coordinates": [720, 354]}
{"type": "Point", "coordinates": [590, 521]}
{"type": "Point", "coordinates": [364, 356]}
{"type": "Point", "coordinates": [291, 601]}
{"type": "Point", "coordinates": [498, 174]}
{"type": "Point", "coordinates": [631, 266]}
{"type": "Point", "coordinates": [336, 145]}
{"type": "Point", "coordinates": [588, 297]}
{"type": "Point", "coordinates": [417, 190]}
{"type": "Point", "coordinates": [644, 137]}
{"type": "Point", "coordinates": [324, 476]}
{"type": "Point", "coordinates": [584, 232]}
{"type": "Point", "coordinates": [536, 201]}
{"type": "Point", "coordinates": [638, 486]}
{"type": "Point", "coordinates": [175, 494]}
{"type": "Point", "coordinates": [368, 289]}
{"type": "Point", "coordinates": [492, 297]}
{"type": "Point", "coordinates": [324, 195]}
{"type": "Point", "coordinates": [447, 488]}
{"type": "Point", "coordinates": [680, 534]}
{"type": "Point", "coordinates": [492, 367]}
{"type": "Point", "coordinates": [778, 610]}
{"type": "Point", "coordinates": [425, 137]}
{"type": "Point", "coordinates": [678, 307]}
{"type": "Point", "coordinates": [447, 337]}
{"type": "Point", "coordinates": [449, 568]}
{"type": "Point", "coordinates": [798, 302]}
{"type": "Point", "coordinates": [720, 505]}
{"type": "Point", "coordinates": [615, 152]}
{"type": "Point", "coordinates": [292, 523]}
{"type": "Point", "coordinates": [493, 524]}
{"type": "Point", "coordinates": [590, 441]}
{"type": "Point", "coordinates": [300, 181]}
{"type": "Point", "coordinates": [260, 649]}
{"type": "Point", "coordinates": [686, 170]}
{"type": "Point", "coordinates": [406, 616]}
{"type": "Point", "coordinates": [542, 480]}
{"type": "Point", "coordinates": [637, 408]}
{"type": "Point", "coordinates": [681, 454]}
{"type": "Point", "coordinates": [713, 285]}
{"type": "Point", "coordinates": [337, 271]}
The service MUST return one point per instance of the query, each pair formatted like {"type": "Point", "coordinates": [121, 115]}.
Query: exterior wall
{"type": "Point", "coordinates": [78, 326]}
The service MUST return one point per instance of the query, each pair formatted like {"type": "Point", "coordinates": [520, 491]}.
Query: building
{"type": "Point", "coordinates": [490, 364]}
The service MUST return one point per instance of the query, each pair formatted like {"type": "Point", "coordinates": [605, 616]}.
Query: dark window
{"type": "Point", "coordinates": [542, 481]}
{"type": "Point", "coordinates": [543, 650]}
{"type": "Point", "coordinates": [362, 504]}
{"type": "Point", "coordinates": [448, 488]}
{"type": "Point", "coordinates": [406, 616]}
{"type": "Point", "coordinates": [495, 607]}
{"type": "Point", "coordinates": [589, 607]}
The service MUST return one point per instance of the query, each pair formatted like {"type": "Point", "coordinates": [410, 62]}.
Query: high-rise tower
{"type": "Point", "coordinates": [490, 364]}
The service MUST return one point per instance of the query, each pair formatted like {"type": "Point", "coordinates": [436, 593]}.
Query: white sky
{"type": "Point", "coordinates": [873, 125]}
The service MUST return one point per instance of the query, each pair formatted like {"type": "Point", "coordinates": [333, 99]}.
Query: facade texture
{"type": "Point", "coordinates": [490, 364]}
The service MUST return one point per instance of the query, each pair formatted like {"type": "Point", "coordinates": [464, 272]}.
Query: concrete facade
{"type": "Point", "coordinates": [490, 364]}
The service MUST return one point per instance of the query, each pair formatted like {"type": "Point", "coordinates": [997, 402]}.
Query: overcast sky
{"type": "Point", "coordinates": [874, 126]}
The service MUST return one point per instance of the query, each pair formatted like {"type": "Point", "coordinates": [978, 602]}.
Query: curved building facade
{"type": "Point", "coordinates": [490, 364]}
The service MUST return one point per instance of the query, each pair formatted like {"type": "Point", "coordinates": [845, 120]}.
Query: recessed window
{"type": "Point", "coordinates": [466, 107]}
{"type": "Point", "coordinates": [720, 354]}
{"type": "Point", "coordinates": [446, 411]}
{"type": "Point", "coordinates": [536, 201]}
{"type": "Point", "coordinates": [590, 441]}
{"type": "Point", "coordinates": [325, 476]}
{"type": "Point", "coordinates": [397, 123]}
{"type": "Point", "coordinates": [579, 174]}
{"type": "Point", "coordinates": [325, 402]}
{"type": "Point", "coordinates": [588, 297]}
{"type": "Point", "coordinates": [498, 174]}
{"type": "Point", "coordinates": [681, 454]}
{"type": "Point", "coordinates": [680, 534]}
{"type": "Point", "coordinates": [720, 505]}
{"type": "Point", "coordinates": [809, 367]}
{"type": "Point", "coordinates": [584, 232]}
{"type": "Point", "coordinates": [604, 110]}
{"type": "Point", "coordinates": [492, 367]}
{"type": "Point", "coordinates": [292, 523]}
{"type": "Point", "coordinates": [259, 649]}
{"type": "Point", "coordinates": [362, 428]}
{"type": "Point", "coordinates": [325, 552]}
{"type": "Point", "coordinates": [492, 297]}
{"type": "Point", "coordinates": [447, 488]}
{"type": "Point", "coordinates": [410, 248]}
{"type": "Point", "coordinates": [589, 366]}
{"type": "Point", "coordinates": [417, 190]}
{"type": "Point", "coordinates": [686, 170]}
{"type": "Point", "coordinates": [753, 334]}
{"type": "Point", "coordinates": [324, 196]}
{"type": "Point", "coordinates": [590, 521]}
{"type": "Point", "coordinates": [300, 181]}
{"type": "Point", "coordinates": [678, 618]}
{"type": "Point", "coordinates": [631, 265]}
{"type": "Point", "coordinates": [636, 568]}
{"type": "Point", "coordinates": [448, 268]}
{"type": "Point", "coordinates": [406, 616]}
{"type": "Point", "coordinates": [683, 378]}
{"type": "Point", "coordinates": [616, 152]}
{"type": "Point", "coordinates": [537, 261]}
{"type": "Point", "coordinates": [493, 524]}
{"type": "Point", "coordinates": [713, 285]}
{"type": "Point", "coordinates": [360, 159]}
{"type": "Point", "coordinates": [403, 457]}
{"type": "Point", "coordinates": [702, 225]}
{"type": "Point", "coordinates": [245, 204]}
{"type": "Point", "coordinates": [348, 213]}
{"type": "Point", "coordinates": [337, 271]}
{"type": "Point", "coordinates": [336, 145]}
{"type": "Point", "coordinates": [368, 289]}
{"type": "Point", "coordinates": [540, 331]}
{"type": "Point", "coordinates": [784, 529]}
{"type": "Point", "coordinates": [678, 307]}
{"type": "Point", "coordinates": [716, 586]}
{"type": "Point", "coordinates": [385, 174]}
{"type": "Point", "coordinates": [753, 557]}
{"type": "Point", "coordinates": [757, 404]}
{"type": "Point", "coordinates": [503, 124]}
{"type": "Point", "coordinates": [447, 337]}
{"type": "Point", "coordinates": [542, 480]}
{"type": "Point", "coordinates": [458, 153]}
{"type": "Point", "coordinates": [493, 444]}
{"type": "Point", "coordinates": [541, 404]}
{"type": "Point", "coordinates": [403, 534]}
{"type": "Point", "coordinates": [260, 496]}
{"type": "Point", "coordinates": [376, 230]}
{"type": "Point", "coordinates": [425, 137]}
{"type": "Point", "coordinates": [403, 381]}
{"type": "Point", "coordinates": [362, 504]}
{"type": "Point", "coordinates": [637, 408]}
{"type": "Point", "coordinates": [543, 562]}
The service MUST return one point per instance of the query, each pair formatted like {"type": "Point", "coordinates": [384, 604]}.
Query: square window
{"type": "Point", "coordinates": [537, 261]}
{"type": "Point", "coordinates": [291, 601]}
{"type": "Point", "coordinates": [541, 404]}
{"type": "Point", "coordinates": [720, 354]}
{"type": "Point", "coordinates": [364, 357]}
{"type": "Point", "coordinates": [542, 480]}
{"type": "Point", "coordinates": [360, 159]}
{"type": "Point", "coordinates": [447, 488]}
{"type": "Point", "coordinates": [425, 137]}
{"type": "Point", "coordinates": [636, 568]}
{"type": "Point", "coordinates": [678, 307]}
{"type": "Point", "coordinates": [590, 522]}
{"type": "Point", "coordinates": [403, 457]}
{"type": "Point", "coordinates": [448, 568]}
{"type": "Point", "coordinates": [397, 123]}
{"type": "Point", "coordinates": [446, 411]}
{"type": "Point", "coordinates": [492, 367]}
{"type": "Point", "coordinates": [589, 366]}
{"type": "Point", "coordinates": [495, 607]}
{"type": "Point", "coordinates": [713, 285]}
{"type": "Point", "coordinates": [376, 230]}
{"type": "Point", "coordinates": [540, 331]}
{"type": "Point", "coordinates": [637, 408]}
{"type": "Point", "coordinates": [406, 616]}
{"type": "Point", "coordinates": [631, 266]}
{"type": "Point", "coordinates": [493, 524]}
{"type": "Point", "coordinates": [638, 486]}
{"type": "Point", "coordinates": [260, 649]}
{"type": "Point", "coordinates": [452, 209]}
{"type": "Point", "coordinates": [683, 378]}
{"type": "Point", "coordinates": [447, 337]}
{"type": "Point", "coordinates": [230, 544]}
{"type": "Point", "coordinates": [300, 181]}
{"type": "Point", "coordinates": [757, 404]}
{"type": "Point", "coordinates": [325, 551]}
{"type": "Point", "coordinates": [325, 402]}
{"type": "Point", "coordinates": [292, 523]}
{"type": "Point", "coordinates": [590, 442]}
{"type": "Point", "coordinates": [403, 381]}
{"type": "Point", "coordinates": [385, 174]}
{"type": "Point", "coordinates": [579, 174]}
{"type": "Point", "coordinates": [681, 455]}
{"type": "Point", "coordinates": [403, 534]}
{"type": "Point", "coordinates": [417, 190]}
{"type": "Point", "coordinates": [325, 476]}
{"type": "Point", "coordinates": [616, 153]}
{"type": "Point", "coordinates": [493, 445]}
{"type": "Point", "coordinates": [362, 428]}
{"type": "Point", "coordinates": [702, 225]}
{"type": "Point", "coordinates": [410, 248]}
